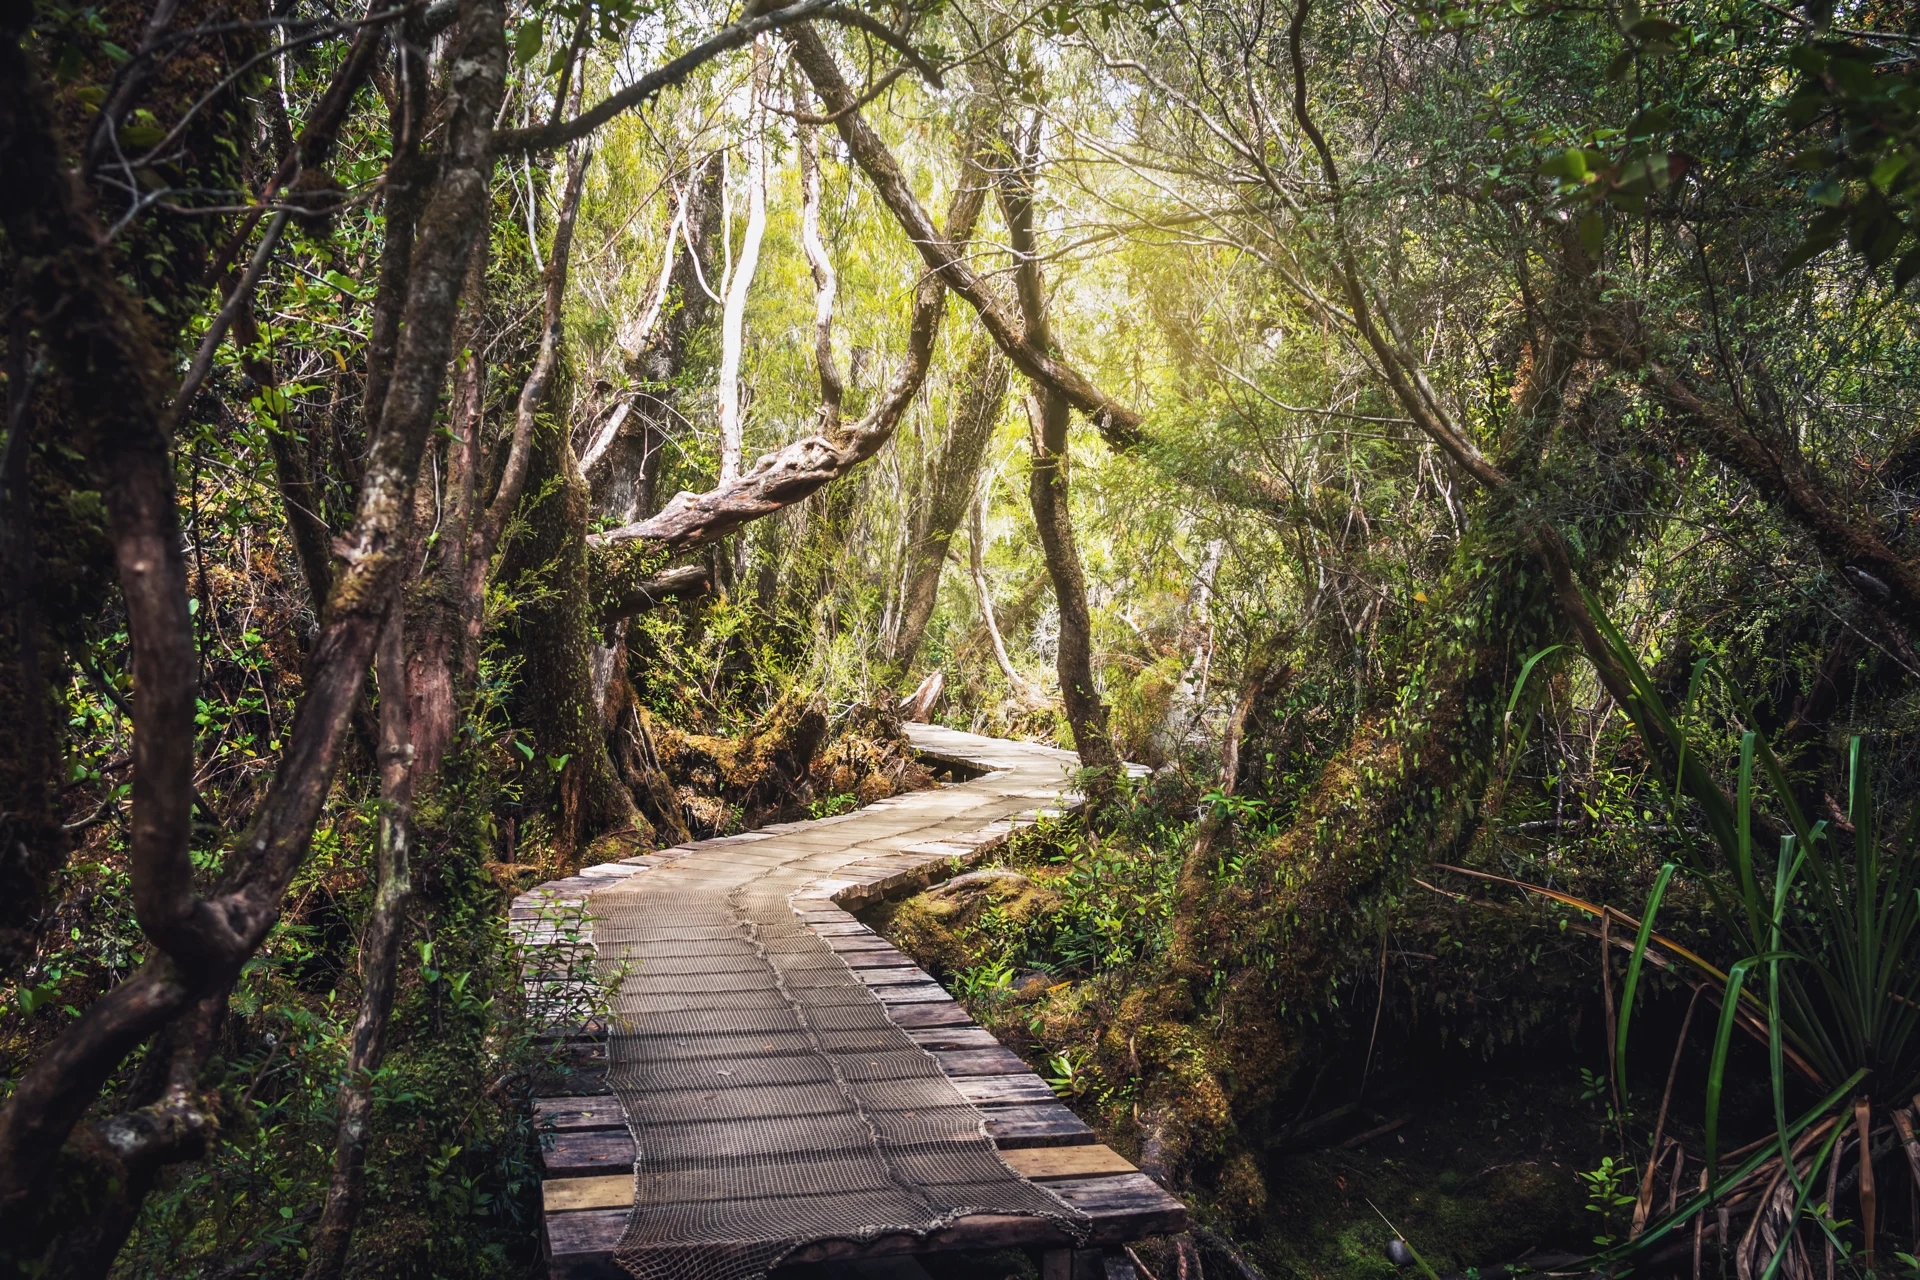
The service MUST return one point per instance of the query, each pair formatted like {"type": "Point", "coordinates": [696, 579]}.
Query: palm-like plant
{"type": "Point", "coordinates": [1828, 980]}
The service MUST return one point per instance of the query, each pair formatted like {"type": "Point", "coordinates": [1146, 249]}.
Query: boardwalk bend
{"type": "Point", "coordinates": [780, 1086]}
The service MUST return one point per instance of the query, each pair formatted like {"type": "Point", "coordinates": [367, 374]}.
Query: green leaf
{"type": "Point", "coordinates": [115, 52]}
{"type": "Point", "coordinates": [523, 749]}
{"type": "Point", "coordinates": [557, 763]}
{"type": "Point", "coordinates": [344, 283]}
{"type": "Point", "coordinates": [1654, 29]}
{"type": "Point", "coordinates": [1905, 270]}
{"type": "Point", "coordinates": [527, 40]}
{"type": "Point", "coordinates": [1593, 232]}
{"type": "Point", "coordinates": [1887, 170]}
{"type": "Point", "coordinates": [1633, 974]}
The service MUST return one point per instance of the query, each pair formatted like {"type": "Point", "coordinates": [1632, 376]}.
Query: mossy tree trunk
{"type": "Point", "coordinates": [955, 473]}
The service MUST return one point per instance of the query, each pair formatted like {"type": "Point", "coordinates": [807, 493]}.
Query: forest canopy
{"type": "Point", "coordinates": [1468, 453]}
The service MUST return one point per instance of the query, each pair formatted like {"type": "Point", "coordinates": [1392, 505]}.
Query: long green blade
{"type": "Point", "coordinates": [1633, 974]}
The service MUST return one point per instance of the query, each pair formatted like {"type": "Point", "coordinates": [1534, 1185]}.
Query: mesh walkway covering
{"type": "Point", "coordinates": [772, 1101]}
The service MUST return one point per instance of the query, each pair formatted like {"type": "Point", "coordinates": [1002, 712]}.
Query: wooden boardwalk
{"type": "Point", "coordinates": [892, 847]}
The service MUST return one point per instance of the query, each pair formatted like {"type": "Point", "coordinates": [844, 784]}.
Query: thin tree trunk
{"type": "Point", "coordinates": [556, 634]}
{"type": "Point", "coordinates": [379, 960]}
{"type": "Point", "coordinates": [1047, 491]}
{"type": "Point", "coordinates": [976, 563]}
{"type": "Point", "coordinates": [1050, 413]}
{"type": "Point", "coordinates": [733, 324]}
{"type": "Point", "coordinates": [825, 283]}
{"type": "Point", "coordinates": [956, 474]}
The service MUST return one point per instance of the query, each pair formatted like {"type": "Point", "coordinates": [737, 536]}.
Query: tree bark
{"type": "Point", "coordinates": [826, 285]}
{"type": "Point", "coordinates": [33, 843]}
{"type": "Point", "coordinates": [1050, 413]}
{"type": "Point", "coordinates": [977, 567]}
{"type": "Point", "coordinates": [955, 474]}
{"type": "Point", "coordinates": [379, 962]}
{"type": "Point", "coordinates": [734, 320]}
{"type": "Point", "coordinates": [119, 393]}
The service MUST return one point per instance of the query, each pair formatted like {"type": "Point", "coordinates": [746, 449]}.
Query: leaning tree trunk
{"type": "Point", "coordinates": [955, 473]}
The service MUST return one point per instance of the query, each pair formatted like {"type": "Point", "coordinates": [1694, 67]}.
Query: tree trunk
{"type": "Point", "coordinates": [977, 566]}
{"type": "Point", "coordinates": [1047, 491]}
{"type": "Point", "coordinates": [624, 471]}
{"type": "Point", "coordinates": [379, 961]}
{"type": "Point", "coordinates": [572, 774]}
{"type": "Point", "coordinates": [740, 279]}
{"type": "Point", "coordinates": [33, 843]}
{"type": "Point", "coordinates": [825, 283]}
{"type": "Point", "coordinates": [1049, 412]}
{"type": "Point", "coordinates": [955, 475]}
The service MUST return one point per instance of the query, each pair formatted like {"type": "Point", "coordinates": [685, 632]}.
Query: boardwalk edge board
{"type": "Point", "coordinates": [588, 1155]}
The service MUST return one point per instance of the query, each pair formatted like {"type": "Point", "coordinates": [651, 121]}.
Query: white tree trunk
{"type": "Point", "coordinates": [733, 322]}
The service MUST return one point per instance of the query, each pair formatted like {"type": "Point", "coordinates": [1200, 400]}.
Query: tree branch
{"type": "Point", "coordinates": [515, 141]}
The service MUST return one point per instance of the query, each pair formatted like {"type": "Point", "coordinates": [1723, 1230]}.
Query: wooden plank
{"type": "Point", "coordinates": [916, 993]}
{"type": "Point", "coordinates": [843, 943]}
{"type": "Point", "coordinates": [567, 1195]}
{"type": "Point", "coordinates": [946, 1013]}
{"type": "Point", "coordinates": [1035, 1125]}
{"type": "Point", "coordinates": [907, 975]}
{"type": "Point", "coordinates": [981, 1062]}
{"type": "Point", "coordinates": [567, 1113]}
{"type": "Point", "coordinates": [1130, 1202]}
{"type": "Point", "coordinates": [967, 1037]}
{"type": "Point", "coordinates": [588, 1151]}
{"type": "Point", "coordinates": [979, 1089]}
{"type": "Point", "coordinates": [1050, 1164]}
{"type": "Point", "coordinates": [877, 958]}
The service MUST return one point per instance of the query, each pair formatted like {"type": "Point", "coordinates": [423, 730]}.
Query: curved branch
{"type": "Point", "coordinates": [514, 141]}
{"type": "Point", "coordinates": [787, 475]}
{"type": "Point", "coordinates": [1119, 424]}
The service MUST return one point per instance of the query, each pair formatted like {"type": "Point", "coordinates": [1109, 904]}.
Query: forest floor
{"type": "Point", "coordinates": [1476, 1164]}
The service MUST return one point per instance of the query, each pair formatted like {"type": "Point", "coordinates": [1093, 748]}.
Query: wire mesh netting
{"type": "Point", "coordinates": [772, 1101]}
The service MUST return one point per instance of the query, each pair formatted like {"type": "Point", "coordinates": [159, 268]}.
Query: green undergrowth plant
{"type": "Point", "coordinates": [1819, 922]}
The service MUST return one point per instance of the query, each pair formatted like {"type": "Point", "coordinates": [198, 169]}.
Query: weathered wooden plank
{"type": "Point", "coordinates": [566, 1113]}
{"type": "Point", "coordinates": [981, 1062]}
{"type": "Point", "coordinates": [907, 975]}
{"type": "Point", "coordinates": [877, 958]}
{"type": "Point", "coordinates": [861, 941]}
{"type": "Point", "coordinates": [608, 1191]}
{"type": "Point", "coordinates": [1039, 1124]}
{"type": "Point", "coordinates": [966, 1037]}
{"type": "Point", "coordinates": [588, 1151]}
{"type": "Point", "coordinates": [919, 993]}
{"type": "Point", "coordinates": [1132, 1198]}
{"type": "Point", "coordinates": [1024, 1088]}
{"type": "Point", "coordinates": [942, 1013]}
{"type": "Point", "coordinates": [1050, 1164]}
